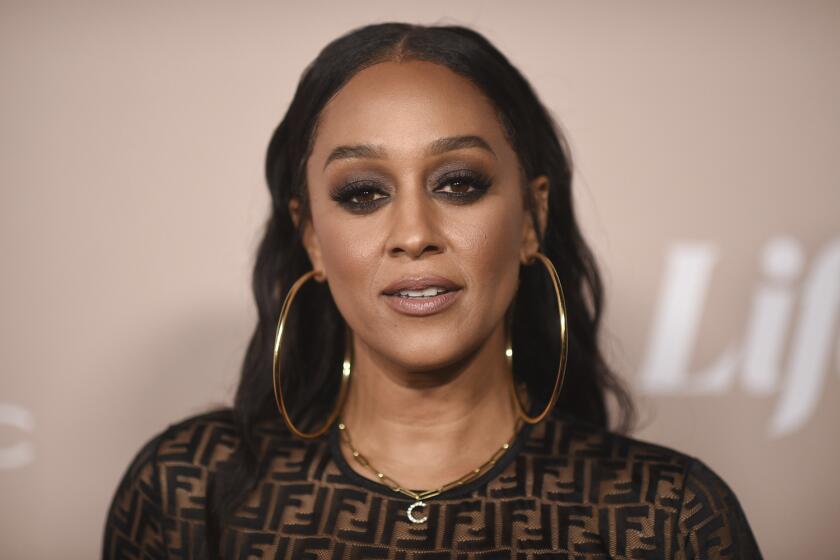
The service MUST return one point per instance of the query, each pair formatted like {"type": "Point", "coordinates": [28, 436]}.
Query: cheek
{"type": "Point", "coordinates": [346, 252]}
{"type": "Point", "coordinates": [350, 253]}
{"type": "Point", "coordinates": [488, 248]}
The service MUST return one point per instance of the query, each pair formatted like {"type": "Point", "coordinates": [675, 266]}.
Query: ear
{"type": "Point", "coordinates": [538, 193]}
{"type": "Point", "coordinates": [308, 237]}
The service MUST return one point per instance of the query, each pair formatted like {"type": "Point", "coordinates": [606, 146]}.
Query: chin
{"type": "Point", "coordinates": [428, 354]}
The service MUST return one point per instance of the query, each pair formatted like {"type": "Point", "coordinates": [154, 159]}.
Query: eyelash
{"type": "Point", "coordinates": [479, 183]}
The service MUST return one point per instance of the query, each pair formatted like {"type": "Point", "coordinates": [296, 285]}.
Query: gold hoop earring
{"type": "Point", "coordinates": [346, 368]}
{"type": "Point", "coordinates": [564, 345]}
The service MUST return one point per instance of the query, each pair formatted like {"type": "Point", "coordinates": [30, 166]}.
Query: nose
{"type": "Point", "coordinates": [414, 225]}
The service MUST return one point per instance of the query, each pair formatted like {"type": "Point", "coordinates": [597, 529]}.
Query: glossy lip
{"type": "Point", "coordinates": [419, 307]}
{"type": "Point", "coordinates": [420, 283]}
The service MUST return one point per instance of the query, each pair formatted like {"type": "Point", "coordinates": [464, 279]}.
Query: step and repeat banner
{"type": "Point", "coordinates": [705, 143]}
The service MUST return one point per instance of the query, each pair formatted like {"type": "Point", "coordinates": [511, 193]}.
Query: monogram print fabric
{"type": "Point", "coordinates": [564, 490]}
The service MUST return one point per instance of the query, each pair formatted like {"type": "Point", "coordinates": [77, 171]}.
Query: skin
{"type": "Point", "coordinates": [429, 396]}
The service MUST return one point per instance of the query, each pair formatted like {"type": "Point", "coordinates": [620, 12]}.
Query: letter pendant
{"type": "Point", "coordinates": [417, 504]}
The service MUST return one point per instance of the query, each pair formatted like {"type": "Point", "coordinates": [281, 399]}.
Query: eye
{"type": "Point", "coordinates": [365, 196]}
{"type": "Point", "coordinates": [458, 186]}
{"type": "Point", "coordinates": [464, 185]}
{"type": "Point", "coordinates": [359, 197]}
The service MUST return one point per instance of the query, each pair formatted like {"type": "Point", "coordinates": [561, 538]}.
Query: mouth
{"type": "Point", "coordinates": [420, 296]}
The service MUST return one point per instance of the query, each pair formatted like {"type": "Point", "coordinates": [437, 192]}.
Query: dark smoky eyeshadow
{"type": "Point", "coordinates": [479, 181]}
{"type": "Point", "coordinates": [344, 194]}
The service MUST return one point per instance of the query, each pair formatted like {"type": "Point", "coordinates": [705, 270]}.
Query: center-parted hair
{"type": "Point", "coordinates": [313, 344]}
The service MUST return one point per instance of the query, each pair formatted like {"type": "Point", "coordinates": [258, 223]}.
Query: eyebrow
{"type": "Point", "coordinates": [437, 147]}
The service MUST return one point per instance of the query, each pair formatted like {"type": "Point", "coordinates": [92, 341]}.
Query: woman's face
{"type": "Point", "coordinates": [413, 186]}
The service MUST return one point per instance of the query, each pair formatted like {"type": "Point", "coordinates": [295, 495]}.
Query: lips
{"type": "Point", "coordinates": [420, 296]}
{"type": "Point", "coordinates": [419, 283]}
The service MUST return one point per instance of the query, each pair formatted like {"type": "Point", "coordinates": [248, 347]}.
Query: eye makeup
{"type": "Point", "coordinates": [465, 185]}
{"type": "Point", "coordinates": [359, 196]}
{"type": "Point", "coordinates": [365, 195]}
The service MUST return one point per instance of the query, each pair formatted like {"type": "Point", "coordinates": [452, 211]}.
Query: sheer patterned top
{"type": "Point", "coordinates": [564, 489]}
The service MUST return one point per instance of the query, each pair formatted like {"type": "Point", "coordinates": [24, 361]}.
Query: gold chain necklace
{"type": "Point", "coordinates": [419, 497]}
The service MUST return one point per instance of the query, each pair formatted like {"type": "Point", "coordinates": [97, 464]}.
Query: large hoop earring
{"type": "Point", "coordinates": [564, 345]}
{"type": "Point", "coordinates": [346, 368]}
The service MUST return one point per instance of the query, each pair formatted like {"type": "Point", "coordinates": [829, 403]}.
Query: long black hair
{"type": "Point", "coordinates": [315, 331]}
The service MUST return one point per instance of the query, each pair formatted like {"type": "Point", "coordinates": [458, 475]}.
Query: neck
{"type": "Point", "coordinates": [425, 429]}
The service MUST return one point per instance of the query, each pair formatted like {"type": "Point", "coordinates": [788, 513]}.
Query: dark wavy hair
{"type": "Point", "coordinates": [315, 331]}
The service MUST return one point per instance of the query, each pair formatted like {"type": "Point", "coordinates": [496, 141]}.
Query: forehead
{"type": "Point", "coordinates": [404, 106]}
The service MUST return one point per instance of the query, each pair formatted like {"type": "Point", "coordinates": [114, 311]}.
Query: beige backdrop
{"type": "Point", "coordinates": [133, 137]}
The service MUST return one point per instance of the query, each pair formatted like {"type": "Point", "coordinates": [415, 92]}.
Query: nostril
{"type": "Point", "coordinates": [414, 251]}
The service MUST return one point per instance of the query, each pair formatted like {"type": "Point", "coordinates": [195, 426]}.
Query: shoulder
{"type": "Point", "coordinates": [188, 451]}
{"type": "Point", "coordinates": [711, 515]}
{"type": "Point", "coordinates": [573, 438]}
{"type": "Point", "coordinates": [200, 441]}
{"type": "Point", "coordinates": [620, 470]}
{"type": "Point", "coordinates": [175, 459]}
{"type": "Point", "coordinates": [194, 444]}
{"type": "Point", "coordinates": [186, 454]}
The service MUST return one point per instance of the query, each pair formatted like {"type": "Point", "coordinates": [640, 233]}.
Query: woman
{"type": "Point", "coordinates": [420, 384]}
